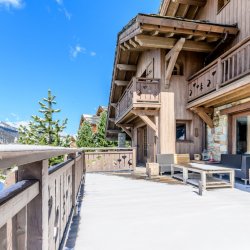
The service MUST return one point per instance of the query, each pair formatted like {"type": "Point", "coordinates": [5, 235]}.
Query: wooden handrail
{"type": "Point", "coordinates": [15, 198]}
{"type": "Point", "coordinates": [40, 206]}
{"type": "Point", "coordinates": [234, 48]}
{"type": "Point", "coordinates": [43, 199]}
{"type": "Point", "coordinates": [230, 66]}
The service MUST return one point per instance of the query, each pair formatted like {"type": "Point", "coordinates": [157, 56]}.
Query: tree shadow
{"type": "Point", "coordinates": [74, 227]}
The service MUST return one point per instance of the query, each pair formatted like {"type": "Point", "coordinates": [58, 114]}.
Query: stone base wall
{"type": "Point", "coordinates": [217, 137]}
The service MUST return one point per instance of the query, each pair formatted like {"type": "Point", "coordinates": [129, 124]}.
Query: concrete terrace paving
{"type": "Point", "coordinates": [120, 213]}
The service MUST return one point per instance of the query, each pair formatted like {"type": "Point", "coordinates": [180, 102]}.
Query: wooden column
{"type": "Point", "coordinates": [37, 209]}
{"type": "Point", "coordinates": [167, 123]}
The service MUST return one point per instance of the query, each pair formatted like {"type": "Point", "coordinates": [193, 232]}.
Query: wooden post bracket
{"type": "Point", "coordinates": [144, 116]}
{"type": "Point", "coordinates": [171, 58]}
{"type": "Point", "coordinates": [203, 113]}
{"type": "Point", "coordinates": [126, 130]}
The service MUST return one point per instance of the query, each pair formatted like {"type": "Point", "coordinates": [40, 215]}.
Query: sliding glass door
{"type": "Point", "coordinates": [241, 133]}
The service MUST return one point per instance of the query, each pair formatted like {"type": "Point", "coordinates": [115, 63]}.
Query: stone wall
{"type": "Point", "coordinates": [217, 137]}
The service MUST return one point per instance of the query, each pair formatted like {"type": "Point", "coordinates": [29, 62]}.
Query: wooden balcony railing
{"type": "Point", "coordinates": [229, 67]}
{"type": "Point", "coordinates": [110, 159]}
{"type": "Point", "coordinates": [37, 210]}
{"type": "Point", "coordinates": [139, 91]}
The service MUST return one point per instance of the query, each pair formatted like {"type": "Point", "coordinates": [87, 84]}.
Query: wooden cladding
{"type": "Point", "coordinates": [139, 91]}
{"type": "Point", "coordinates": [231, 66]}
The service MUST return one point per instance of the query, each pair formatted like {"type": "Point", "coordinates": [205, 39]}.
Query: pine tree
{"type": "Point", "coordinates": [45, 130]}
{"type": "Point", "coordinates": [85, 136]}
{"type": "Point", "coordinates": [100, 137]}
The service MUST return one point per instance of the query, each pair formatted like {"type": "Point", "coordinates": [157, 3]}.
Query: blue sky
{"type": "Point", "coordinates": [67, 46]}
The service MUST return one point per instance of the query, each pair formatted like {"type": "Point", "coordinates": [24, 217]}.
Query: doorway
{"type": "Point", "coordinates": [241, 133]}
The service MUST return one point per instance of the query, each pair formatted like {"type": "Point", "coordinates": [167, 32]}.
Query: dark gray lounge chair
{"type": "Point", "coordinates": [240, 163]}
{"type": "Point", "coordinates": [165, 161]}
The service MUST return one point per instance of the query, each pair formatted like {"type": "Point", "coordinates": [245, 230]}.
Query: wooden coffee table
{"type": "Point", "coordinates": [193, 173]}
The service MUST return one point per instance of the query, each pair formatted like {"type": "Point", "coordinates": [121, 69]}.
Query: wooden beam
{"type": "Point", "coordinates": [113, 131]}
{"type": "Point", "coordinates": [169, 30]}
{"type": "Point", "coordinates": [168, 43]}
{"type": "Point", "coordinates": [186, 25]}
{"type": "Point", "coordinates": [133, 43]}
{"type": "Point", "coordinates": [121, 83]}
{"type": "Point", "coordinates": [123, 47]}
{"type": "Point", "coordinates": [147, 120]}
{"type": "Point", "coordinates": [176, 49]}
{"type": "Point", "coordinates": [200, 38]}
{"type": "Point", "coordinates": [145, 112]}
{"type": "Point", "coordinates": [199, 3]}
{"type": "Point", "coordinates": [172, 56]}
{"type": "Point", "coordinates": [112, 119]}
{"type": "Point", "coordinates": [114, 105]}
{"type": "Point", "coordinates": [126, 67]}
{"type": "Point", "coordinates": [236, 109]}
{"type": "Point", "coordinates": [129, 133]}
{"type": "Point", "coordinates": [201, 112]}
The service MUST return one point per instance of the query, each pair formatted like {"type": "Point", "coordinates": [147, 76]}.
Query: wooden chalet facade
{"type": "Point", "coordinates": [181, 84]}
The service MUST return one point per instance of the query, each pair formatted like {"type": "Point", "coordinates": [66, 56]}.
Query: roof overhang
{"type": "Point", "coordinates": [181, 8]}
{"type": "Point", "coordinates": [154, 31]}
{"type": "Point", "coordinates": [146, 32]}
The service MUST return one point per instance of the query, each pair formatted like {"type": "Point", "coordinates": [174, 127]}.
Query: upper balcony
{"type": "Point", "coordinates": [141, 93]}
{"type": "Point", "coordinates": [221, 77]}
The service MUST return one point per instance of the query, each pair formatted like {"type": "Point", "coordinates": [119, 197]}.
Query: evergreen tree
{"type": "Point", "coordinates": [85, 136]}
{"type": "Point", "coordinates": [45, 130]}
{"type": "Point", "coordinates": [100, 137]}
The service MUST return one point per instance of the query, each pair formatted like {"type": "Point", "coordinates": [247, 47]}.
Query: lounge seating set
{"type": "Point", "coordinates": [208, 174]}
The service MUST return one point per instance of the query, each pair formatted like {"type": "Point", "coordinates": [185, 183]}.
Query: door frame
{"type": "Point", "coordinates": [233, 132]}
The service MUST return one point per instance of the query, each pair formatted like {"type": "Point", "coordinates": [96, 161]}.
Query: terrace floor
{"type": "Point", "coordinates": [132, 214]}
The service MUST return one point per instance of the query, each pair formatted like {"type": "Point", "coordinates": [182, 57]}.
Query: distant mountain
{"type": "Point", "coordinates": [17, 124]}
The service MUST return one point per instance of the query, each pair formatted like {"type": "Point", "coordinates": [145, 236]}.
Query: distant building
{"type": "Point", "coordinates": [8, 134]}
{"type": "Point", "coordinates": [93, 119]}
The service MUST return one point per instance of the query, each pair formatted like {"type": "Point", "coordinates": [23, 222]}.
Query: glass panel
{"type": "Point", "coordinates": [243, 135]}
{"type": "Point", "coordinates": [181, 131]}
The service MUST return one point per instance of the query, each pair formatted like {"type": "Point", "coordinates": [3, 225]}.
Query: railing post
{"type": "Point", "coordinates": [219, 74]}
{"type": "Point", "coordinates": [134, 159]}
{"type": "Point", "coordinates": [3, 237]}
{"type": "Point", "coordinates": [74, 187]}
{"type": "Point", "coordinates": [37, 209]}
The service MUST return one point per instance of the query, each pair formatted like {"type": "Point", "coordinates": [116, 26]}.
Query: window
{"type": "Point", "coordinates": [181, 131]}
{"type": "Point", "coordinates": [222, 4]}
{"type": "Point", "coordinates": [242, 134]}
{"type": "Point", "coordinates": [177, 70]}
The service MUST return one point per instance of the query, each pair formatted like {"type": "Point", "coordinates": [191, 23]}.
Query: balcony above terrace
{"type": "Point", "coordinates": [141, 93]}
{"type": "Point", "coordinates": [223, 81]}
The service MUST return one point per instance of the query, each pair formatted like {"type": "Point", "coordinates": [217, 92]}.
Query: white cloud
{"type": "Point", "coordinates": [15, 116]}
{"type": "Point", "coordinates": [60, 2]}
{"type": "Point", "coordinates": [62, 8]}
{"type": "Point", "coordinates": [76, 50]}
{"type": "Point", "coordinates": [92, 53]}
{"type": "Point", "coordinates": [11, 3]}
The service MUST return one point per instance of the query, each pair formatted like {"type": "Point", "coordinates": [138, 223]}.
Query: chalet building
{"type": "Point", "coordinates": [8, 134]}
{"type": "Point", "coordinates": [181, 80]}
{"type": "Point", "coordinates": [93, 119]}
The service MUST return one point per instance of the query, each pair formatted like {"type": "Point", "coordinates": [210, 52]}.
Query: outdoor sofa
{"type": "Point", "coordinates": [240, 163]}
